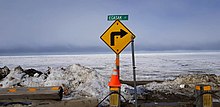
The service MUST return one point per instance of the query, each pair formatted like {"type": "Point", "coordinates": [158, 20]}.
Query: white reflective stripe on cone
{"type": "Point", "coordinates": [115, 73]}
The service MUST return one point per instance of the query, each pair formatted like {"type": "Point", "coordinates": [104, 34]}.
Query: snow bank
{"type": "Point", "coordinates": [78, 81]}
{"type": "Point", "coordinates": [18, 78]}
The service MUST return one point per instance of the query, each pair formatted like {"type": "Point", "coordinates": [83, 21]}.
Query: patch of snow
{"type": "Point", "coordinates": [79, 78]}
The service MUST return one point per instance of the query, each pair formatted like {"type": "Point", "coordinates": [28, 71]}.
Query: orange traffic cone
{"type": "Point", "coordinates": [114, 82]}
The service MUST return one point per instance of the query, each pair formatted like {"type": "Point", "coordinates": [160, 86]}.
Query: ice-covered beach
{"type": "Point", "coordinates": [87, 76]}
{"type": "Point", "coordinates": [150, 66]}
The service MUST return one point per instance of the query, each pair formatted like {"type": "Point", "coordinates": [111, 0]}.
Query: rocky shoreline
{"type": "Point", "coordinates": [180, 89]}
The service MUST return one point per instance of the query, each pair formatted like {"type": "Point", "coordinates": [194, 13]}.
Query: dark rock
{"type": "Point", "coordinates": [31, 72]}
{"type": "Point", "coordinates": [47, 73]}
{"type": "Point", "coordinates": [17, 85]}
{"type": "Point", "coordinates": [63, 69]}
{"type": "Point", "coordinates": [4, 72]}
{"type": "Point", "coordinates": [18, 68]}
{"type": "Point", "coordinates": [11, 78]}
{"type": "Point", "coordinates": [49, 70]}
{"type": "Point", "coordinates": [185, 65]}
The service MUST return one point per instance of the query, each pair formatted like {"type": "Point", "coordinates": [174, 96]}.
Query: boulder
{"type": "Point", "coordinates": [4, 72]}
{"type": "Point", "coordinates": [18, 68]}
{"type": "Point", "coordinates": [32, 72]}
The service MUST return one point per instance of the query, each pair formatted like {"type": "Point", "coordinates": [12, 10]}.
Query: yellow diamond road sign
{"type": "Point", "coordinates": [117, 36]}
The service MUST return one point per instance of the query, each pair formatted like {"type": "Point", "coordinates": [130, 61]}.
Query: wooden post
{"type": "Point", "coordinates": [32, 93]}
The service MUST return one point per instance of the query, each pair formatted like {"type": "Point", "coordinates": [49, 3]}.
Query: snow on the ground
{"type": "Point", "coordinates": [80, 81]}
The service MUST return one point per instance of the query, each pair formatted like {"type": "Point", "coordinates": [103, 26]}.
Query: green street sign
{"type": "Point", "coordinates": [119, 17]}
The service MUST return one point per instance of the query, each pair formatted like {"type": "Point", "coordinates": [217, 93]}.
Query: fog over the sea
{"type": "Point", "coordinates": [76, 25]}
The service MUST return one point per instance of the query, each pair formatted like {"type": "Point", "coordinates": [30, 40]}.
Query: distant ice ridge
{"type": "Point", "coordinates": [78, 81]}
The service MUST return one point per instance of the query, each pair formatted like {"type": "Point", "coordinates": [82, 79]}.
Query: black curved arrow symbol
{"type": "Point", "coordinates": [122, 33]}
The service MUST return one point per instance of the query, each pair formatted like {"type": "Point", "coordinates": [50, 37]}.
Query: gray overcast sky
{"type": "Point", "coordinates": [76, 25]}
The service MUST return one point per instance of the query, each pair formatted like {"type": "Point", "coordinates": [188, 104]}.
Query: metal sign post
{"type": "Point", "coordinates": [134, 72]}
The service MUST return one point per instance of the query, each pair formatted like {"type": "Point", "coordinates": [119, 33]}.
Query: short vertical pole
{"type": "Point", "coordinates": [115, 98]}
{"type": "Point", "coordinates": [117, 64]}
{"type": "Point", "coordinates": [134, 72]}
{"type": "Point", "coordinates": [203, 99]}
{"type": "Point", "coordinates": [198, 93]}
{"type": "Point", "coordinates": [207, 98]}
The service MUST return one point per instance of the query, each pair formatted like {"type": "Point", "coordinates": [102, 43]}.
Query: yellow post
{"type": "Point", "coordinates": [204, 100]}
{"type": "Point", "coordinates": [114, 98]}
{"type": "Point", "coordinates": [115, 85]}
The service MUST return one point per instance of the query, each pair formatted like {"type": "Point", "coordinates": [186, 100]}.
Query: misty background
{"type": "Point", "coordinates": [37, 26]}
